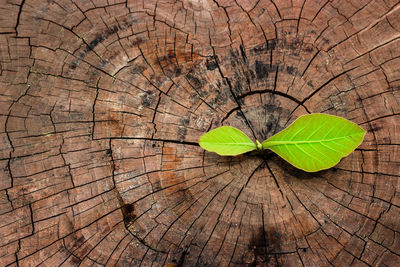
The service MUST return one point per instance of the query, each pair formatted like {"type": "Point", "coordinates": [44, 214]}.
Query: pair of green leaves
{"type": "Point", "coordinates": [312, 143]}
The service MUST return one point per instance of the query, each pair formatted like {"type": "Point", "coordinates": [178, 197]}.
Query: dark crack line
{"type": "Point", "coordinates": [150, 139]}
{"type": "Point", "coordinates": [301, 260]}
{"type": "Point", "coordinates": [341, 204]}
{"type": "Point", "coordinates": [248, 180]}
{"type": "Point", "coordinates": [227, 22]}
{"type": "Point", "coordinates": [208, 179]}
{"type": "Point", "coordinates": [366, 172]}
{"type": "Point", "coordinates": [298, 20]}
{"type": "Point", "coordinates": [111, 155]}
{"type": "Point", "coordinates": [68, 165]}
{"type": "Point", "coordinates": [267, 44]}
{"type": "Point", "coordinates": [309, 63]}
{"type": "Point", "coordinates": [154, 171]}
{"type": "Point", "coordinates": [16, 253]}
{"type": "Point", "coordinates": [319, 10]}
{"type": "Point", "coordinates": [222, 243]}
{"type": "Point", "coordinates": [263, 232]}
{"type": "Point", "coordinates": [48, 256]}
{"type": "Point", "coordinates": [100, 241]}
{"type": "Point", "coordinates": [161, 189]}
{"type": "Point", "coordinates": [379, 118]}
{"type": "Point", "coordinates": [70, 253]}
{"type": "Point", "coordinates": [274, 177]}
{"type": "Point", "coordinates": [275, 79]}
{"type": "Point", "coordinates": [158, 61]}
{"type": "Point", "coordinates": [274, 93]}
{"type": "Point", "coordinates": [143, 214]}
{"type": "Point", "coordinates": [321, 87]}
{"type": "Point", "coordinates": [350, 234]}
{"type": "Point", "coordinates": [363, 110]}
{"type": "Point", "coordinates": [50, 217]}
{"type": "Point", "coordinates": [369, 26]}
{"type": "Point", "coordinates": [200, 97]}
{"type": "Point", "coordinates": [277, 9]}
{"type": "Point", "coordinates": [61, 75]}
{"type": "Point", "coordinates": [128, 64]}
{"type": "Point", "coordinates": [86, 50]}
{"type": "Point", "coordinates": [385, 201]}
{"type": "Point", "coordinates": [326, 83]}
{"type": "Point", "coordinates": [182, 214]}
{"type": "Point", "coordinates": [233, 95]}
{"type": "Point", "coordinates": [182, 257]}
{"type": "Point", "coordinates": [155, 112]}
{"type": "Point", "coordinates": [86, 226]}
{"type": "Point", "coordinates": [213, 230]}
{"type": "Point", "coordinates": [32, 221]}
{"type": "Point", "coordinates": [204, 151]}
{"type": "Point", "coordinates": [236, 243]}
{"type": "Point", "coordinates": [206, 206]}
{"type": "Point", "coordinates": [40, 172]}
{"type": "Point", "coordinates": [18, 17]}
{"type": "Point", "coordinates": [320, 35]}
{"type": "Point", "coordinates": [7, 132]}
{"type": "Point", "coordinates": [371, 50]}
{"type": "Point", "coordinates": [247, 13]}
{"type": "Point", "coordinates": [122, 251]}
{"type": "Point", "coordinates": [304, 206]}
{"type": "Point", "coordinates": [229, 113]}
{"type": "Point", "coordinates": [237, 238]}
{"type": "Point", "coordinates": [67, 190]}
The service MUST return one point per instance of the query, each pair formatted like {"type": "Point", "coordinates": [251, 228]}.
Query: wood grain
{"type": "Point", "coordinates": [103, 103]}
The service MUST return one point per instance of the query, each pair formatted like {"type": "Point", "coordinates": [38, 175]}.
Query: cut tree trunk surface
{"type": "Point", "coordinates": [103, 103]}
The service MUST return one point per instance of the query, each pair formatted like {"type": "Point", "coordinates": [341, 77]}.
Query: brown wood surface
{"type": "Point", "coordinates": [103, 102]}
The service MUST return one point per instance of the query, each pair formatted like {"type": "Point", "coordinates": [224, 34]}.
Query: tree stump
{"type": "Point", "coordinates": [103, 103]}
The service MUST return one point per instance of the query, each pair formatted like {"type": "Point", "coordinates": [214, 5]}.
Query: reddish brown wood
{"type": "Point", "coordinates": [103, 102]}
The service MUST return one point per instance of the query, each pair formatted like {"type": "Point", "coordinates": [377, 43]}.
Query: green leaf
{"type": "Point", "coordinates": [226, 141]}
{"type": "Point", "coordinates": [316, 142]}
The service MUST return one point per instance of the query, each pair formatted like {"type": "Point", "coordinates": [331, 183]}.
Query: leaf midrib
{"type": "Point", "coordinates": [223, 144]}
{"type": "Point", "coordinates": [290, 142]}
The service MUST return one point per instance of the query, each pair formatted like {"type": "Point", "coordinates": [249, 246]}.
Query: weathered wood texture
{"type": "Point", "coordinates": [103, 102]}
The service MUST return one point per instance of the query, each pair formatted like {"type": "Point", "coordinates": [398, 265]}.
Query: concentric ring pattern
{"type": "Point", "coordinates": [103, 103]}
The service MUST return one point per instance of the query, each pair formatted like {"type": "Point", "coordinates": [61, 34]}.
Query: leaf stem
{"type": "Point", "coordinates": [259, 145]}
